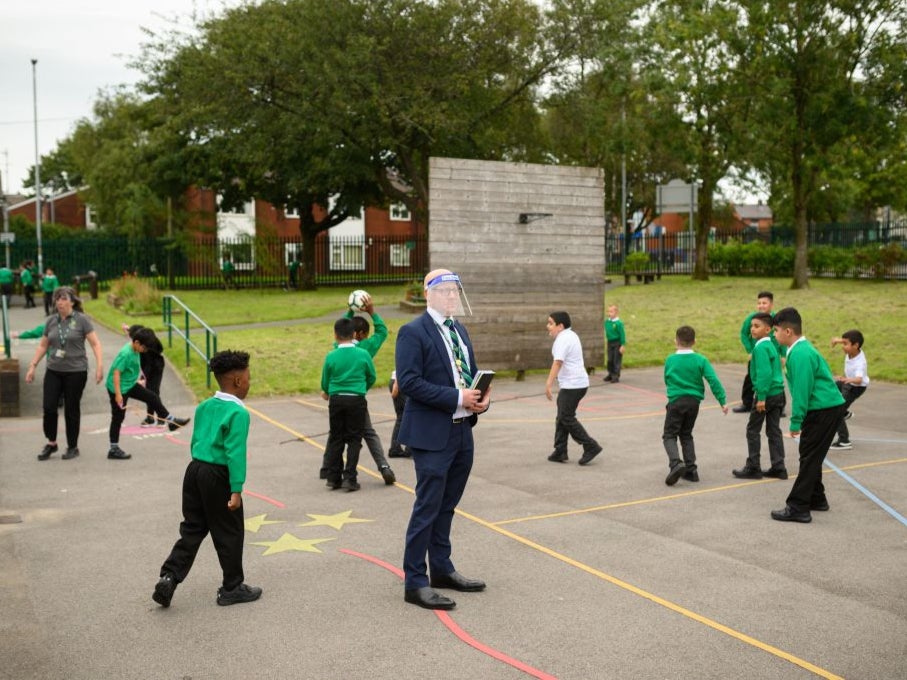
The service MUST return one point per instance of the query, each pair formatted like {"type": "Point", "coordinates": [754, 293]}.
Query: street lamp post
{"type": "Point", "coordinates": [34, 80]}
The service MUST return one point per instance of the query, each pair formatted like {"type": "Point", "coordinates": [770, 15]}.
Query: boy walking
{"type": "Point", "coordinates": [346, 376]}
{"type": "Point", "coordinates": [123, 383]}
{"type": "Point", "coordinates": [212, 486]}
{"type": "Point", "coordinates": [853, 383]}
{"type": "Point", "coordinates": [768, 391]}
{"type": "Point", "coordinates": [683, 375]}
{"type": "Point", "coordinates": [815, 415]}
{"type": "Point", "coordinates": [573, 383]}
{"type": "Point", "coordinates": [616, 338]}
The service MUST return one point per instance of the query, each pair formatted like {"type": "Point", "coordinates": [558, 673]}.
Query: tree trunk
{"type": "Point", "coordinates": [703, 227]}
{"type": "Point", "coordinates": [306, 272]}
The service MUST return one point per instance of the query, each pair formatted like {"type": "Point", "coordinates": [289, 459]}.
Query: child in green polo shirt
{"type": "Point", "coordinates": [212, 486]}
{"type": "Point", "coordinates": [49, 284]}
{"type": "Point", "coordinates": [124, 381]}
{"type": "Point", "coordinates": [683, 375]}
{"type": "Point", "coordinates": [615, 339]}
{"type": "Point", "coordinates": [346, 376]}
{"type": "Point", "coordinates": [769, 400]}
{"type": "Point", "coordinates": [817, 409]}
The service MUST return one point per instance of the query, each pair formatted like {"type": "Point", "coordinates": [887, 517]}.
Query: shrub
{"type": "Point", "coordinates": [636, 262]}
{"type": "Point", "coordinates": [134, 296]}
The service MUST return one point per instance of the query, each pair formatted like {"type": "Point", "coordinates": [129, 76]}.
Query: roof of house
{"type": "Point", "coordinates": [758, 211]}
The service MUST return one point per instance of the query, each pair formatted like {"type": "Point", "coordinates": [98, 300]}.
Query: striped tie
{"type": "Point", "coordinates": [459, 358]}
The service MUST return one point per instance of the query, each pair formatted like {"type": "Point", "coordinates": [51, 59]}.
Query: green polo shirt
{"type": "Point", "coordinates": [220, 436]}
{"type": "Point", "coordinates": [683, 375]}
{"type": "Point", "coordinates": [6, 276]}
{"type": "Point", "coordinates": [49, 283]}
{"type": "Point", "coordinates": [128, 363]}
{"type": "Point", "coordinates": [812, 386]}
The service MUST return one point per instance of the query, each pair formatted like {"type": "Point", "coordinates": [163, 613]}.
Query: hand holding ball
{"type": "Point", "coordinates": [359, 300]}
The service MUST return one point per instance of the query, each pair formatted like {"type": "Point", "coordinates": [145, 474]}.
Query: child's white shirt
{"type": "Point", "coordinates": [856, 368]}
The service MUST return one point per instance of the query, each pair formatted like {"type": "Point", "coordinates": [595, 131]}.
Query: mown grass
{"type": "Point", "coordinates": [286, 359]}
{"type": "Point", "coordinates": [717, 308]}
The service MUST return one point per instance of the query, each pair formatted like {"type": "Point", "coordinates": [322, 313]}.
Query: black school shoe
{"type": "Point", "coordinates": [691, 475]}
{"type": "Point", "coordinates": [47, 450]}
{"type": "Point", "coordinates": [747, 473]}
{"type": "Point", "coordinates": [589, 454]}
{"type": "Point", "coordinates": [116, 453]}
{"type": "Point", "coordinates": [163, 591]}
{"type": "Point", "coordinates": [241, 593]}
{"type": "Point", "coordinates": [71, 452]}
{"type": "Point", "coordinates": [777, 473]}
{"type": "Point", "coordinates": [791, 515]}
{"type": "Point", "coordinates": [350, 484]}
{"type": "Point", "coordinates": [174, 423]}
{"type": "Point", "coordinates": [387, 474]}
{"type": "Point", "coordinates": [675, 474]}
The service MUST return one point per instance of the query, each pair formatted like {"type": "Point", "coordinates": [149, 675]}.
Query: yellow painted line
{"type": "Point", "coordinates": [860, 466]}
{"type": "Point", "coordinates": [641, 501]}
{"type": "Point", "coordinates": [683, 611]}
{"type": "Point", "coordinates": [592, 419]}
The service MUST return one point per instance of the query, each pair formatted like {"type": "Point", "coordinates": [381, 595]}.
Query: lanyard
{"type": "Point", "coordinates": [65, 336]}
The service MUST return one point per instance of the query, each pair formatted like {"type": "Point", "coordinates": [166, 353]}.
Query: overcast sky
{"type": "Point", "coordinates": [82, 47]}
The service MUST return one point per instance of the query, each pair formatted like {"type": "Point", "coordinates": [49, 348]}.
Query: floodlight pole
{"type": "Point", "coordinates": [34, 80]}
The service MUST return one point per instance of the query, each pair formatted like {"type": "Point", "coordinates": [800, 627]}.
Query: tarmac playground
{"type": "Point", "coordinates": [593, 572]}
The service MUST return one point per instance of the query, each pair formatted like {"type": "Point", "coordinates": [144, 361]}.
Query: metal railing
{"type": "Point", "coordinates": [210, 333]}
{"type": "Point", "coordinates": [7, 349]}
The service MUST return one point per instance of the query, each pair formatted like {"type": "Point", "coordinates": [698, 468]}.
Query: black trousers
{"type": "Point", "coordinates": [774, 406]}
{"type": "Point", "coordinates": [615, 358]}
{"type": "Point", "coordinates": [850, 393]}
{"type": "Point", "coordinates": [118, 415]}
{"type": "Point", "coordinates": [746, 392]}
{"type": "Point", "coordinates": [680, 417]}
{"type": "Point", "coordinates": [206, 491]}
{"type": "Point", "coordinates": [816, 433]}
{"type": "Point", "coordinates": [348, 415]}
{"type": "Point", "coordinates": [29, 291]}
{"type": "Point", "coordinates": [154, 375]}
{"type": "Point", "coordinates": [399, 404]}
{"type": "Point", "coordinates": [70, 386]}
{"type": "Point", "coordinates": [48, 303]}
{"type": "Point", "coordinates": [566, 424]}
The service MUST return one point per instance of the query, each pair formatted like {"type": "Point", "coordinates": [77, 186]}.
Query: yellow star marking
{"type": "Point", "coordinates": [335, 521]}
{"type": "Point", "coordinates": [288, 542]}
{"type": "Point", "coordinates": [253, 524]}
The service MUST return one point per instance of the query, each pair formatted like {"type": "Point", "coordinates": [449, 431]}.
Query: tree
{"type": "Point", "coordinates": [820, 58]}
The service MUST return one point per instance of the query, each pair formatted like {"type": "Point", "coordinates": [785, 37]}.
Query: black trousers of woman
{"type": "Point", "coordinates": [70, 385]}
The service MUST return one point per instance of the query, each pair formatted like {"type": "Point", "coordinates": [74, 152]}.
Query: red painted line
{"type": "Point", "coordinates": [171, 438]}
{"type": "Point", "coordinates": [456, 630]}
{"type": "Point", "coordinates": [264, 498]}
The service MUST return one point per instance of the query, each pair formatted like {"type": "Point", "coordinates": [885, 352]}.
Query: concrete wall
{"type": "Point", "coordinates": [516, 274]}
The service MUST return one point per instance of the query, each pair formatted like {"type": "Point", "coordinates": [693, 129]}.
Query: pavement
{"type": "Point", "coordinates": [599, 571]}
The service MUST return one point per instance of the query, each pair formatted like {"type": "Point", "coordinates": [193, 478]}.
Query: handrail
{"type": "Point", "coordinates": [6, 338]}
{"type": "Point", "coordinates": [210, 333]}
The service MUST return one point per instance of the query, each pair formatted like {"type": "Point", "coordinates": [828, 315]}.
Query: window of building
{"type": "Point", "coordinates": [399, 212]}
{"type": "Point", "coordinates": [399, 253]}
{"type": "Point", "coordinates": [348, 254]}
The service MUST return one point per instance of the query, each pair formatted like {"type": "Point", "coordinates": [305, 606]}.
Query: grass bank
{"type": "Point", "coordinates": [286, 358]}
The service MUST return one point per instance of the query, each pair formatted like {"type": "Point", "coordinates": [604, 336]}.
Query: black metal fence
{"type": "Point", "coordinates": [860, 250]}
{"type": "Point", "coordinates": [199, 263]}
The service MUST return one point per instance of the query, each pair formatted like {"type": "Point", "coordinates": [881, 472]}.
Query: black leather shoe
{"type": "Point", "coordinates": [741, 409]}
{"type": "Point", "coordinates": [558, 457]}
{"type": "Point", "coordinates": [691, 476]}
{"type": "Point", "coordinates": [47, 450]}
{"type": "Point", "coordinates": [116, 453]}
{"type": "Point", "coordinates": [748, 473]}
{"type": "Point", "coordinates": [387, 474]}
{"type": "Point", "coordinates": [457, 581]}
{"type": "Point", "coordinates": [791, 515]}
{"type": "Point", "coordinates": [71, 452]}
{"type": "Point", "coordinates": [590, 454]}
{"type": "Point", "coordinates": [780, 473]}
{"type": "Point", "coordinates": [821, 506]}
{"type": "Point", "coordinates": [163, 591]}
{"type": "Point", "coordinates": [675, 474]}
{"type": "Point", "coordinates": [428, 598]}
{"type": "Point", "coordinates": [174, 423]}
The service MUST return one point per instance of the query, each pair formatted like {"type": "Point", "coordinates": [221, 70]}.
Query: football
{"type": "Point", "coordinates": [358, 300]}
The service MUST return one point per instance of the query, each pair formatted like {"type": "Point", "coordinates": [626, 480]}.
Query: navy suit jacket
{"type": "Point", "coordinates": [425, 376]}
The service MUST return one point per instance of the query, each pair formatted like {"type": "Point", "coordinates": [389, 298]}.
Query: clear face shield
{"type": "Point", "coordinates": [445, 295]}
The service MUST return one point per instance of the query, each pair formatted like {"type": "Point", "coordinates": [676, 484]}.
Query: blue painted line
{"type": "Point", "coordinates": [869, 494]}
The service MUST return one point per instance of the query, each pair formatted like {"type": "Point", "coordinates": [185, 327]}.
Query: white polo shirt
{"type": "Point", "coordinates": [568, 348]}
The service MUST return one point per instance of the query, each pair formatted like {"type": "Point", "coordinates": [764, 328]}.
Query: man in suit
{"type": "Point", "coordinates": [435, 363]}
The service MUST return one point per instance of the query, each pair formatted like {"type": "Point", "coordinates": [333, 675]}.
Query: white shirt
{"type": "Point", "coordinates": [856, 368]}
{"type": "Point", "coordinates": [568, 348]}
{"type": "Point", "coordinates": [439, 320]}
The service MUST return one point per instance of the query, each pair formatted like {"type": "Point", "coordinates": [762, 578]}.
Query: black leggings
{"type": "Point", "coordinates": [70, 386]}
{"type": "Point", "coordinates": [117, 414]}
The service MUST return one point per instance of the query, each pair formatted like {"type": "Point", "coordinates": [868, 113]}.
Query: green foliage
{"type": "Point", "coordinates": [831, 260]}
{"type": "Point", "coordinates": [735, 258]}
{"type": "Point", "coordinates": [135, 296]}
{"type": "Point", "coordinates": [637, 262]}
{"type": "Point", "coordinates": [880, 260]}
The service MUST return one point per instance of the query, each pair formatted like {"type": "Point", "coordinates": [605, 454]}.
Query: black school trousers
{"type": "Point", "coordinates": [816, 433]}
{"type": "Point", "coordinates": [206, 490]}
